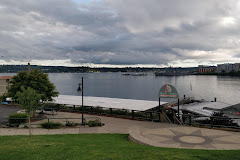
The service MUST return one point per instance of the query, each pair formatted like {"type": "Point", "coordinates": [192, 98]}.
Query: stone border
{"type": "Point", "coordinates": [135, 136]}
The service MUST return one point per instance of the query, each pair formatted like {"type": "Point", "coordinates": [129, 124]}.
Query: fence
{"type": "Point", "coordinates": [187, 119]}
{"type": "Point", "coordinates": [212, 121]}
{"type": "Point", "coordinates": [37, 121]}
{"type": "Point", "coordinates": [122, 113]}
{"type": "Point", "coordinates": [155, 116]}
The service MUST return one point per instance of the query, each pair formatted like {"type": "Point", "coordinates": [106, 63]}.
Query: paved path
{"type": "Point", "coordinates": [149, 133]}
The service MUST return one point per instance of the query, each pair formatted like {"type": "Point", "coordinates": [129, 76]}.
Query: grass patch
{"type": "Point", "coordinates": [97, 146]}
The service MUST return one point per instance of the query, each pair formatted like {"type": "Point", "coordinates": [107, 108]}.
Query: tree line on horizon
{"type": "Point", "coordinates": [82, 69]}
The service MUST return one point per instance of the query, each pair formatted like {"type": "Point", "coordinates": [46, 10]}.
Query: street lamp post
{"type": "Point", "coordinates": [79, 90]}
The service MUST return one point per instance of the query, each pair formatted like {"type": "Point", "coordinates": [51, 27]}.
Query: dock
{"type": "Point", "coordinates": [203, 108]}
{"type": "Point", "coordinates": [206, 108]}
{"type": "Point", "coordinates": [106, 102]}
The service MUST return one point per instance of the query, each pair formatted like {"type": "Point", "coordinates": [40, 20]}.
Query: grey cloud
{"type": "Point", "coordinates": [119, 32]}
{"type": "Point", "coordinates": [122, 57]}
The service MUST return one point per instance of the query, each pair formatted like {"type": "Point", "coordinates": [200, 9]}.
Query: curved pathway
{"type": "Point", "coordinates": [148, 133]}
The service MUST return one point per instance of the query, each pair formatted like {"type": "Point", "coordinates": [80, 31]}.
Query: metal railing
{"type": "Point", "coordinates": [38, 121]}
{"type": "Point", "coordinates": [155, 116]}
{"type": "Point", "coordinates": [187, 119]}
{"type": "Point", "coordinates": [121, 113]}
{"type": "Point", "coordinates": [211, 121]}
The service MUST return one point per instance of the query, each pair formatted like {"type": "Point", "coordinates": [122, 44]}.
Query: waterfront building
{"type": "Point", "coordinates": [221, 68]}
{"type": "Point", "coordinates": [206, 69]}
{"type": "Point", "coordinates": [4, 84]}
{"type": "Point", "coordinates": [226, 67]}
{"type": "Point", "coordinates": [236, 67]}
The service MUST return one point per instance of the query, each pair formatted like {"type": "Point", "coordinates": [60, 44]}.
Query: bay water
{"type": "Point", "coordinates": [117, 85]}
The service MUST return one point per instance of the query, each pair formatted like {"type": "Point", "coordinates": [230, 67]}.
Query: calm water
{"type": "Point", "coordinates": [116, 85]}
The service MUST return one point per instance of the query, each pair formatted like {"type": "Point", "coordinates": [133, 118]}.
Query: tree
{"type": "Point", "coordinates": [3, 98]}
{"type": "Point", "coordinates": [28, 99]}
{"type": "Point", "coordinates": [36, 80]}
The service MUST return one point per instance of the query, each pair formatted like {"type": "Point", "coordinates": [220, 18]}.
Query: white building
{"type": "Point", "coordinates": [236, 67]}
{"type": "Point", "coordinates": [226, 67]}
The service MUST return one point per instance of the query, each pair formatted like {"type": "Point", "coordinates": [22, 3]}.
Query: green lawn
{"type": "Point", "coordinates": [96, 146]}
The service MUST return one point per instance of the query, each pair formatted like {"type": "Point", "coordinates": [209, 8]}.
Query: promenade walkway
{"type": "Point", "coordinates": [148, 133]}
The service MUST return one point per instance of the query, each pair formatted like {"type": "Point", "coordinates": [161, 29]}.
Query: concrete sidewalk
{"type": "Point", "coordinates": [112, 125]}
{"type": "Point", "coordinates": [148, 133]}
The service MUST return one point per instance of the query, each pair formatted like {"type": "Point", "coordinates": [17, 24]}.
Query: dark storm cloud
{"type": "Point", "coordinates": [120, 32]}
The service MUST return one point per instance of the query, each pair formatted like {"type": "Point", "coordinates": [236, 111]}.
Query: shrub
{"type": "Point", "coordinates": [56, 107]}
{"type": "Point", "coordinates": [51, 125]}
{"type": "Point", "coordinates": [3, 98]}
{"type": "Point", "coordinates": [94, 123]}
{"type": "Point", "coordinates": [17, 118]}
{"type": "Point", "coordinates": [120, 112]}
{"type": "Point", "coordinates": [70, 124]}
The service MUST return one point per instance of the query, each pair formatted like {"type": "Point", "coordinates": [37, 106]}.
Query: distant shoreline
{"type": "Point", "coordinates": [84, 69]}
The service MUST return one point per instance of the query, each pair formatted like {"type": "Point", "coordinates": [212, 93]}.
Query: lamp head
{"type": "Point", "coordinates": [79, 88]}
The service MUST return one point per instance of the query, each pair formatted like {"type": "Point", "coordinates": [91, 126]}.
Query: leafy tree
{"type": "Point", "coordinates": [3, 98]}
{"type": "Point", "coordinates": [35, 79]}
{"type": "Point", "coordinates": [28, 99]}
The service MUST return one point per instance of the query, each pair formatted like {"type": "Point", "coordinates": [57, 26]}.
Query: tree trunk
{"type": "Point", "coordinates": [29, 127]}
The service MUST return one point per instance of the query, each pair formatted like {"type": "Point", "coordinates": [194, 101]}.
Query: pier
{"type": "Point", "coordinates": [117, 103]}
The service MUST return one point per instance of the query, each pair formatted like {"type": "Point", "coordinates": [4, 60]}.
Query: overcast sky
{"type": "Point", "coordinates": [120, 32]}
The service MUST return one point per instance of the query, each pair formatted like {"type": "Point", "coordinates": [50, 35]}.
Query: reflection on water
{"type": "Point", "coordinates": [116, 85]}
{"type": "Point", "coordinates": [226, 89]}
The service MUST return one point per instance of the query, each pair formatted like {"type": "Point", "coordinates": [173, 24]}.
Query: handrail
{"type": "Point", "coordinates": [165, 116]}
{"type": "Point", "coordinates": [177, 120]}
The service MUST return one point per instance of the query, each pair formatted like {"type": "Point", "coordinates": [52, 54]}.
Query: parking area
{"type": "Point", "coordinates": [6, 110]}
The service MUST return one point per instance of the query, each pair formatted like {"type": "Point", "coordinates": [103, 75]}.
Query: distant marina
{"type": "Point", "coordinates": [135, 74]}
{"type": "Point", "coordinates": [176, 73]}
